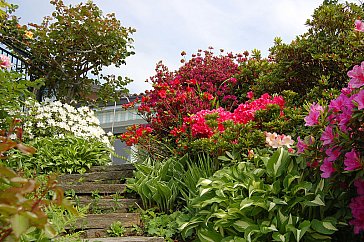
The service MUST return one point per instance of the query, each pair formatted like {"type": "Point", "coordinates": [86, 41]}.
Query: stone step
{"type": "Point", "coordinates": [89, 188]}
{"type": "Point", "coordinates": [121, 167]}
{"type": "Point", "coordinates": [127, 239]}
{"type": "Point", "coordinates": [109, 174]}
{"type": "Point", "coordinates": [96, 177]}
{"type": "Point", "coordinates": [103, 221]}
{"type": "Point", "coordinates": [109, 204]}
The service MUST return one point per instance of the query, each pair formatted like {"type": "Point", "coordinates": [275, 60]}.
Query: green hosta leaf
{"type": "Point", "coordinates": [305, 186]}
{"type": "Point", "coordinates": [241, 225]}
{"type": "Point", "coordinates": [224, 158]}
{"type": "Point", "coordinates": [19, 224]}
{"type": "Point", "coordinates": [246, 203]}
{"type": "Point", "coordinates": [233, 239]}
{"type": "Point", "coordinates": [209, 235]}
{"type": "Point", "coordinates": [271, 205]}
{"type": "Point", "coordinates": [279, 237]}
{"type": "Point", "coordinates": [288, 180]}
{"type": "Point", "coordinates": [278, 163]}
{"type": "Point", "coordinates": [320, 186]}
{"type": "Point", "coordinates": [323, 227]}
{"type": "Point", "coordinates": [316, 202]}
{"type": "Point", "coordinates": [204, 182]}
{"type": "Point", "coordinates": [329, 226]}
{"type": "Point", "coordinates": [212, 200]}
{"type": "Point", "coordinates": [320, 237]}
{"type": "Point", "coordinates": [205, 190]}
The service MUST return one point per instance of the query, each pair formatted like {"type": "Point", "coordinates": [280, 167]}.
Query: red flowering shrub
{"type": "Point", "coordinates": [199, 84]}
{"type": "Point", "coordinates": [134, 133]}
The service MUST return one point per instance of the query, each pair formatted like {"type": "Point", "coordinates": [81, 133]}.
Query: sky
{"type": "Point", "coordinates": [165, 28]}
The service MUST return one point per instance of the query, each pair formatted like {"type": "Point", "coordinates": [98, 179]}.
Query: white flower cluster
{"type": "Point", "coordinates": [275, 140]}
{"type": "Point", "coordinates": [58, 119]}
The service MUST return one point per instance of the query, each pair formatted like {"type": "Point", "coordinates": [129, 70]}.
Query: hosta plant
{"type": "Point", "coordinates": [268, 197]}
{"type": "Point", "coordinates": [69, 154]}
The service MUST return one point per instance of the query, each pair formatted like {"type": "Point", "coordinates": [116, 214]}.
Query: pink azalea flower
{"type": "Point", "coordinates": [352, 161]}
{"type": "Point", "coordinates": [359, 184]}
{"type": "Point", "coordinates": [357, 210]}
{"type": "Point", "coordinates": [333, 153]}
{"type": "Point", "coordinates": [344, 119]}
{"type": "Point", "coordinates": [316, 107]}
{"type": "Point", "coordinates": [327, 136]}
{"type": "Point", "coordinates": [327, 168]}
{"type": "Point", "coordinates": [359, 99]}
{"type": "Point", "coordinates": [250, 95]}
{"type": "Point", "coordinates": [5, 61]}
{"type": "Point", "coordinates": [340, 103]}
{"type": "Point", "coordinates": [301, 145]}
{"type": "Point", "coordinates": [312, 118]}
{"type": "Point", "coordinates": [356, 76]}
{"type": "Point", "coordinates": [359, 26]}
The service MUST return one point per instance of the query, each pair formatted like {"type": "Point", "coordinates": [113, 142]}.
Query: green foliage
{"type": "Point", "coordinates": [116, 229]}
{"type": "Point", "coordinates": [250, 72]}
{"type": "Point", "coordinates": [65, 155]}
{"type": "Point", "coordinates": [268, 198]}
{"type": "Point", "coordinates": [161, 225]}
{"type": "Point", "coordinates": [13, 92]}
{"type": "Point", "coordinates": [169, 183]}
{"type": "Point", "coordinates": [154, 181]}
{"type": "Point", "coordinates": [234, 137]}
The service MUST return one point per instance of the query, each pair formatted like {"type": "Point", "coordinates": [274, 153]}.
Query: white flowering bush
{"type": "Point", "coordinates": [55, 119]}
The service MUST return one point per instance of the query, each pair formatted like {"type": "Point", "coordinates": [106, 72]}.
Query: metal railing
{"type": "Point", "coordinates": [18, 64]}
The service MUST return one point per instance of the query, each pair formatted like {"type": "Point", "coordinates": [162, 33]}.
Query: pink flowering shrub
{"type": "Point", "coordinates": [243, 114]}
{"type": "Point", "coordinates": [338, 150]}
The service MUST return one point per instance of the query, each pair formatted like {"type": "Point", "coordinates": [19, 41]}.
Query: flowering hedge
{"type": "Point", "coordinates": [51, 119]}
{"type": "Point", "coordinates": [338, 149]}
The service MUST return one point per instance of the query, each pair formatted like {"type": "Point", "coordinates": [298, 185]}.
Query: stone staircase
{"type": "Point", "coordinates": [103, 189]}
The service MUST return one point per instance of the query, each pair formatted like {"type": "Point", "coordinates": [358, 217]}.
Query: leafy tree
{"type": "Point", "coordinates": [70, 48]}
{"type": "Point", "coordinates": [324, 53]}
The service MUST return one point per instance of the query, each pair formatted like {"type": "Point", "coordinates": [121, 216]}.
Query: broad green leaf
{"type": "Point", "coordinates": [329, 225]}
{"type": "Point", "coordinates": [326, 229]}
{"type": "Point", "coordinates": [316, 202]}
{"type": "Point", "coordinates": [205, 190]}
{"type": "Point", "coordinates": [209, 235]}
{"type": "Point", "coordinates": [278, 163]}
{"type": "Point", "coordinates": [204, 182]}
{"type": "Point", "coordinates": [241, 225]}
{"type": "Point", "coordinates": [224, 158]}
{"type": "Point", "coordinates": [278, 237]}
